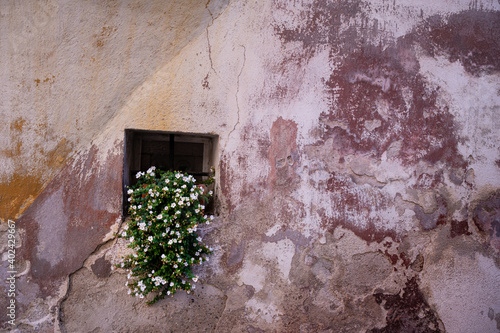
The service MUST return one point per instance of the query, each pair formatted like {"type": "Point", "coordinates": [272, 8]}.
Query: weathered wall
{"type": "Point", "coordinates": [358, 180]}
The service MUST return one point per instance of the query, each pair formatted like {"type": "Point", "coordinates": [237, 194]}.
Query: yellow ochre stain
{"type": "Point", "coordinates": [57, 157]}
{"type": "Point", "coordinates": [17, 194]}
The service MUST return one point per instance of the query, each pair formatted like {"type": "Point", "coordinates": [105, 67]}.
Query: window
{"type": "Point", "coordinates": [191, 153]}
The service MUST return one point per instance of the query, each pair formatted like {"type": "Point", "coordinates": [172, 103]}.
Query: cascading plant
{"type": "Point", "coordinates": [166, 209]}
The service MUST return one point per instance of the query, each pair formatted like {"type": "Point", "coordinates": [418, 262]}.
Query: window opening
{"type": "Point", "coordinates": [174, 151]}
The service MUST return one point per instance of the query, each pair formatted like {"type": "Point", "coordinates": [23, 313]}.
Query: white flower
{"type": "Point", "coordinates": [140, 206]}
{"type": "Point", "coordinates": [129, 199]}
{"type": "Point", "coordinates": [167, 181]}
{"type": "Point", "coordinates": [130, 191]}
{"type": "Point", "coordinates": [195, 279]}
{"type": "Point", "coordinates": [125, 227]}
{"type": "Point", "coordinates": [150, 238]}
{"type": "Point", "coordinates": [199, 239]}
{"type": "Point", "coordinates": [172, 205]}
{"type": "Point", "coordinates": [159, 217]}
{"type": "Point", "coordinates": [175, 266]}
{"type": "Point", "coordinates": [124, 234]}
{"type": "Point", "coordinates": [163, 256]}
{"type": "Point", "coordinates": [210, 192]}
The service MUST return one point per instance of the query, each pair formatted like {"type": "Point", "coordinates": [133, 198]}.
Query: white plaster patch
{"type": "Point", "coordinates": [272, 231]}
{"type": "Point", "coordinates": [113, 229]}
{"type": "Point", "coordinates": [463, 290]}
{"type": "Point", "coordinates": [252, 275]}
{"type": "Point", "coordinates": [281, 251]}
{"type": "Point", "coordinates": [475, 105]}
{"type": "Point", "coordinates": [390, 170]}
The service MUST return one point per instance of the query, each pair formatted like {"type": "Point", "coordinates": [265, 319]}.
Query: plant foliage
{"type": "Point", "coordinates": [166, 208]}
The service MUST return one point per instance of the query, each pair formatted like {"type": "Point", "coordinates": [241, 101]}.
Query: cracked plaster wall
{"type": "Point", "coordinates": [358, 171]}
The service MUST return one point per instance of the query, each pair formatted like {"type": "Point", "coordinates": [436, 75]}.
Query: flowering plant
{"type": "Point", "coordinates": [166, 209]}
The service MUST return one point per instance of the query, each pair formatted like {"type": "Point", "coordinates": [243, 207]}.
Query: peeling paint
{"type": "Point", "coordinates": [356, 172]}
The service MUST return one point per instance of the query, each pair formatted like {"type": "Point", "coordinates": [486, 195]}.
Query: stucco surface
{"type": "Point", "coordinates": [357, 167]}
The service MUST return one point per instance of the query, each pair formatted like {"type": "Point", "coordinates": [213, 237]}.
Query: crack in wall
{"type": "Point", "coordinates": [60, 313]}
{"type": "Point", "coordinates": [236, 95]}
{"type": "Point", "coordinates": [209, 25]}
{"type": "Point", "coordinates": [223, 310]}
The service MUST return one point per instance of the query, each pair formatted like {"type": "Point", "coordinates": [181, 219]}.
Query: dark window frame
{"type": "Point", "coordinates": [135, 160]}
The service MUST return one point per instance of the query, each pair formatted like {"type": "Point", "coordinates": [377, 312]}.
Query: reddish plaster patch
{"type": "Point", "coordinates": [373, 85]}
{"type": "Point", "coordinates": [226, 179]}
{"type": "Point", "coordinates": [351, 206]}
{"type": "Point", "coordinates": [283, 154]}
{"type": "Point", "coordinates": [471, 37]}
{"type": "Point", "coordinates": [407, 311]}
{"type": "Point", "coordinates": [376, 80]}
{"type": "Point", "coordinates": [381, 81]}
{"type": "Point", "coordinates": [69, 219]}
{"type": "Point", "coordinates": [459, 228]}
